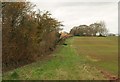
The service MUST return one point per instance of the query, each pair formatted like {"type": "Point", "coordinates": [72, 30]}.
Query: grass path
{"type": "Point", "coordinates": [66, 64]}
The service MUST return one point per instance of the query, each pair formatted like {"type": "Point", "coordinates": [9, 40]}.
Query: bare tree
{"type": "Point", "coordinates": [103, 30]}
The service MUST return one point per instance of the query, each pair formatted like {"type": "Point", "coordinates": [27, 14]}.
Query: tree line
{"type": "Point", "coordinates": [91, 30]}
{"type": "Point", "coordinates": [27, 35]}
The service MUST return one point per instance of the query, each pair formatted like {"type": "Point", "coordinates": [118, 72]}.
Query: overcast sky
{"type": "Point", "coordinates": [77, 12]}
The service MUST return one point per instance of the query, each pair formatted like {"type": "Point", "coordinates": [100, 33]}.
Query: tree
{"type": "Point", "coordinates": [91, 30]}
{"type": "Point", "coordinates": [13, 38]}
{"type": "Point", "coordinates": [94, 28]}
{"type": "Point", "coordinates": [27, 35]}
{"type": "Point", "coordinates": [100, 28]}
{"type": "Point", "coordinates": [103, 30]}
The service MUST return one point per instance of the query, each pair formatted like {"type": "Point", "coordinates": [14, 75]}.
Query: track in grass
{"type": "Point", "coordinates": [70, 62]}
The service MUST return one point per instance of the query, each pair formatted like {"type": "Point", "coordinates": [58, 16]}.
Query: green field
{"type": "Point", "coordinates": [101, 51]}
{"type": "Point", "coordinates": [83, 58]}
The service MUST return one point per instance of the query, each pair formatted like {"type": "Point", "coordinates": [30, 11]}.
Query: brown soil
{"type": "Point", "coordinates": [109, 76]}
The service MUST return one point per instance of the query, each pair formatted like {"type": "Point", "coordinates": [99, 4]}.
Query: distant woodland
{"type": "Point", "coordinates": [91, 30]}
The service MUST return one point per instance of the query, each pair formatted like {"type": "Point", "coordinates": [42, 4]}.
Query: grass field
{"type": "Point", "coordinates": [83, 58]}
{"type": "Point", "coordinates": [101, 51]}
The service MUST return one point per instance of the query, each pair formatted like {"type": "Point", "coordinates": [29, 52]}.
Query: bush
{"type": "Point", "coordinates": [26, 38]}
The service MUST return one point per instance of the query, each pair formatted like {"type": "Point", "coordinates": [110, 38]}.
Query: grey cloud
{"type": "Point", "coordinates": [84, 3]}
{"type": "Point", "coordinates": [76, 13]}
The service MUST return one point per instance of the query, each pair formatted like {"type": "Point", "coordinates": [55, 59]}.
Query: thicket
{"type": "Point", "coordinates": [26, 34]}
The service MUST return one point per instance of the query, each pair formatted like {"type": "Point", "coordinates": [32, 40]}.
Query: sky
{"type": "Point", "coordinates": [77, 12]}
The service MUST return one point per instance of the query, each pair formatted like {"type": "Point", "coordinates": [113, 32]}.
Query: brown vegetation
{"type": "Point", "coordinates": [27, 35]}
